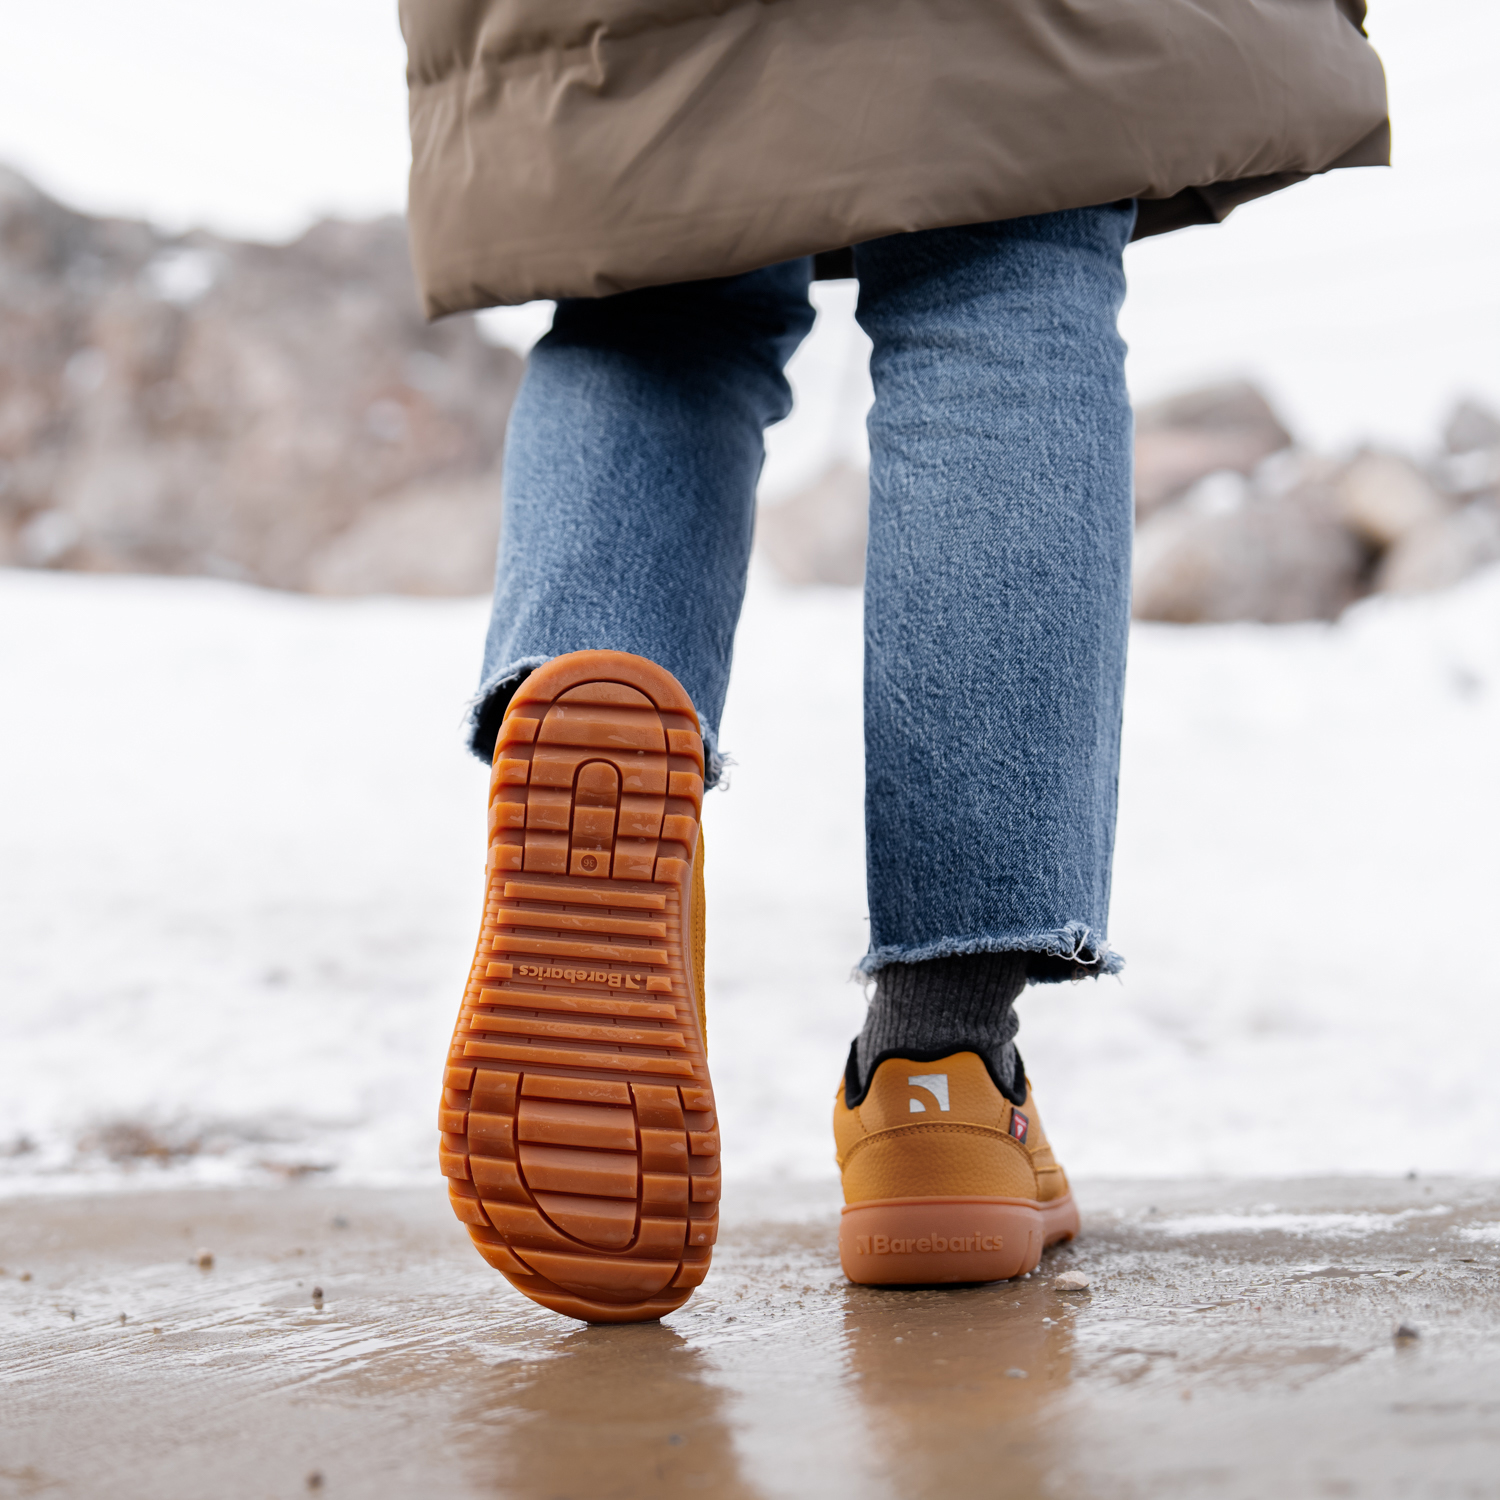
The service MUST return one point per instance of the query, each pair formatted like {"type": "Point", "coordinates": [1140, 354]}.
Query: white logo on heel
{"type": "Point", "coordinates": [935, 1084]}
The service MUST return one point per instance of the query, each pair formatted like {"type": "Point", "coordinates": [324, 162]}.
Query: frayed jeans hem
{"type": "Point", "coordinates": [1073, 951]}
{"type": "Point", "coordinates": [487, 708]}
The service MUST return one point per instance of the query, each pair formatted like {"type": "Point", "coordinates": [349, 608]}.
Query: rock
{"type": "Point", "coordinates": [1070, 1281]}
{"type": "Point", "coordinates": [1471, 474]}
{"type": "Point", "coordinates": [1188, 437]}
{"type": "Point", "coordinates": [1471, 426]}
{"type": "Point", "coordinates": [204, 1260]}
{"type": "Point", "coordinates": [195, 404]}
{"type": "Point", "coordinates": [1383, 498]}
{"type": "Point", "coordinates": [818, 536]}
{"type": "Point", "coordinates": [436, 541]}
{"type": "Point", "coordinates": [1406, 1334]}
{"type": "Point", "coordinates": [1443, 552]}
{"type": "Point", "coordinates": [1472, 437]}
{"type": "Point", "coordinates": [1226, 552]}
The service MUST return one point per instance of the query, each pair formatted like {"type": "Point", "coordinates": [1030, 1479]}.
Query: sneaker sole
{"type": "Point", "coordinates": [580, 1141]}
{"type": "Point", "coordinates": [933, 1241]}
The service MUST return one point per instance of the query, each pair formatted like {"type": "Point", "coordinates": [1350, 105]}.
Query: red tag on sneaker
{"type": "Point", "coordinates": [1019, 1125]}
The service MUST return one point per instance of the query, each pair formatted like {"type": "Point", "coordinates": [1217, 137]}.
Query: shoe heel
{"type": "Point", "coordinates": [580, 1139]}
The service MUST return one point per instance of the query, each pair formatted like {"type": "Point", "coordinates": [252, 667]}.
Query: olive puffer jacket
{"type": "Point", "coordinates": [581, 147]}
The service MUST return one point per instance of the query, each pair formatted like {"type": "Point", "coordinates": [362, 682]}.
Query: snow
{"type": "Point", "coordinates": [241, 852]}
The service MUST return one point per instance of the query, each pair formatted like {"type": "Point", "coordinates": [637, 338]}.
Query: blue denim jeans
{"type": "Point", "coordinates": [998, 572]}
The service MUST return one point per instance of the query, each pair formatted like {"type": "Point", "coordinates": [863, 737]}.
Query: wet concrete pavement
{"type": "Point", "coordinates": [1236, 1340]}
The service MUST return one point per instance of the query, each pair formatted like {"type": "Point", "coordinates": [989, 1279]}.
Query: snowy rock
{"type": "Point", "coordinates": [1184, 439]}
{"type": "Point", "coordinates": [1471, 473]}
{"type": "Point", "coordinates": [193, 404]}
{"type": "Point", "coordinates": [1470, 427]}
{"type": "Point", "coordinates": [435, 541]}
{"type": "Point", "coordinates": [1228, 551]}
{"type": "Point", "coordinates": [1471, 464]}
{"type": "Point", "coordinates": [1302, 537]}
{"type": "Point", "coordinates": [1443, 552]}
{"type": "Point", "coordinates": [1383, 498]}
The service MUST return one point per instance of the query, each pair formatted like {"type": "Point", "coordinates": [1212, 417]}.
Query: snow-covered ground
{"type": "Point", "coordinates": [240, 855]}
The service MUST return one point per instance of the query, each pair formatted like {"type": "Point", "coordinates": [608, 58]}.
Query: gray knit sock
{"type": "Point", "coordinates": [942, 1005]}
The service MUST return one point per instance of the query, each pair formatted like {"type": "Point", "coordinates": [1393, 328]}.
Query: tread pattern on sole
{"type": "Point", "coordinates": [579, 1134]}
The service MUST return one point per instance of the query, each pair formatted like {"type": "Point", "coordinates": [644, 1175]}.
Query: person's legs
{"type": "Point", "coordinates": [996, 617]}
{"type": "Point", "coordinates": [630, 471]}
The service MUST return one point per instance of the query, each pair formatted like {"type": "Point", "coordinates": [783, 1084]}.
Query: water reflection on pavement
{"type": "Point", "coordinates": [607, 1411]}
{"type": "Point", "coordinates": [957, 1384]}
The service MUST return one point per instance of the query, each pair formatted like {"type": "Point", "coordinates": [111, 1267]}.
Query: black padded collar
{"type": "Point", "coordinates": [855, 1090]}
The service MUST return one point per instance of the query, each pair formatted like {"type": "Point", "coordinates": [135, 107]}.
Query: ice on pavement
{"type": "Point", "coordinates": [1324, 1226]}
{"type": "Point", "coordinates": [241, 853]}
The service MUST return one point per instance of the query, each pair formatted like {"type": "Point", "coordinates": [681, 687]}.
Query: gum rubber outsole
{"type": "Point", "coordinates": [580, 1140]}
{"type": "Point", "coordinates": [934, 1241]}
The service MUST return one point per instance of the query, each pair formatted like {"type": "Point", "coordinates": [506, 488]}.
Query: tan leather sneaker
{"type": "Point", "coordinates": [579, 1136]}
{"type": "Point", "coordinates": [944, 1178]}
